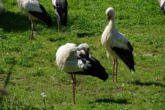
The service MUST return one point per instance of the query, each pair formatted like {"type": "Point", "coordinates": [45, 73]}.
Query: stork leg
{"type": "Point", "coordinates": [73, 87]}
{"type": "Point", "coordinates": [113, 69]}
{"type": "Point", "coordinates": [32, 29]}
{"type": "Point", "coordinates": [116, 67]}
{"type": "Point", "coordinates": [58, 26]}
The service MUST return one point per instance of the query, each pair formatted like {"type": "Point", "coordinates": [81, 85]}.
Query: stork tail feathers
{"type": "Point", "coordinates": [96, 70]}
{"type": "Point", "coordinates": [126, 56]}
{"type": "Point", "coordinates": [62, 14]}
{"type": "Point", "coordinates": [44, 16]}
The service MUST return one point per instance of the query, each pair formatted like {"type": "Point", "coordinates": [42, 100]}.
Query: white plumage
{"type": "Point", "coordinates": [66, 58]}
{"type": "Point", "coordinates": [54, 2]}
{"type": "Point", "coordinates": [29, 5]}
{"type": "Point", "coordinates": [161, 2]}
{"type": "Point", "coordinates": [116, 44]}
{"type": "Point", "coordinates": [75, 59]}
{"type": "Point", "coordinates": [35, 11]}
{"type": "Point", "coordinates": [162, 5]}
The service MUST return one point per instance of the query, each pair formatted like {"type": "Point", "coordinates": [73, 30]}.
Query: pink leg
{"type": "Point", "coordinates": [73, 87]}
{"type": "Point", "coordinates": [116, 70]}
{"type": "Point", "coordinates": [32, 29]}
{"type": "Point", "coordinates": [58, 26]}
{"type": "Point", "coordinates": [113, 70]}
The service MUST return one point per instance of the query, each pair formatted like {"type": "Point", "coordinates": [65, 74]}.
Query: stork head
{"type": "Point", "coordinates": [110, 13]}
{"type": "Point", "coordinates": [84, 46]}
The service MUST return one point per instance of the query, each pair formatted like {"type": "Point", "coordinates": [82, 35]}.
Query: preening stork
{"type": "Point", "coordinates": [162, 5]}
{"type": "Point", "coordinates": [75, 59]}
{"type": "Point", "coordinates": [116, 44]}
{"type": "Point", "coordinates": [61, 10]}
{"type": "Point", "coordinates": [35, 11]}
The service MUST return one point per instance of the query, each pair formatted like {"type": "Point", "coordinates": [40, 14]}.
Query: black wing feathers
{"type": "Point", "coordinates": [130, 47]}
{"type": "Point", "coordinates": [42, 16]}
{"type": "Point", "coordinates": [62, 10]}
{"type": "Point", "coordinates": [96, 69]}
{"type": "Point", "coordinates": [126, 56]}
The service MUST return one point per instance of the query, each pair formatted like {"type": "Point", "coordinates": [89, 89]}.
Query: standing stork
{"type": "Point", "coordinates": [61, 9]}
{"type": "Point", "coordinates": [75, 59]}
{"type": "Point", "coordinates": [35, 11]}
{"type": "Point", "coordinates": [162, 5]}
{"type": "Point", "coordinates": [116, 44]}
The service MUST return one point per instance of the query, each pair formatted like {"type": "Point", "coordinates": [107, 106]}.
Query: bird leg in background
{"type": "Point", "coordinates": [116, 69]}
{"type": "Point", "coordinates": [32, 29]}
{"type": "Point", "coordinates": [113, 69]}
{"type": "Point", "coordinates": [58, 26]}
{"type": "Point", "coordinates": [3, 91]}
{"type": "Point", "coordinates": [73, 87]}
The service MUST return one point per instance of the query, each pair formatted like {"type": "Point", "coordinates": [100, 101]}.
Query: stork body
{"type": "Point", "coordinates": [75, 59]}
{"type": "Point", "coordinates": [116, 44]}
{"type": "Point", "coordinates": [162, 5]}
{"type": "Point", "coordinates": [35, 11]}
{"type": "Point", "coordinates": [61, 10]}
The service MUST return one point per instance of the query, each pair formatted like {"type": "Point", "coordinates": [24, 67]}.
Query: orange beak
{"type": "Point", "coordinates": [109, 18]}
{"type": "Point", "coordinates": [87, 53]}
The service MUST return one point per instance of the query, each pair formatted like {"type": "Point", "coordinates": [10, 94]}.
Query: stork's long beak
{"type": "Point", "coordinates": [109, 18]}
{"type": "Point", "coordinates": [87, 53]}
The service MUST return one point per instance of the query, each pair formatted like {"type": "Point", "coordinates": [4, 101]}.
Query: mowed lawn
{"type": "Point", "coordinates": [34, 69]}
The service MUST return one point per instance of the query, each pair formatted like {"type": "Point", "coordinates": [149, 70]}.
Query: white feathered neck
{"type": "Point", "coordinates": [161, 2]}
{"type": "Point", "coordinates": [110, 28]}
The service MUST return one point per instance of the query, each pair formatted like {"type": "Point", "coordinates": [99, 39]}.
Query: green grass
{"type": "Point", "coordinates": [35, 70]}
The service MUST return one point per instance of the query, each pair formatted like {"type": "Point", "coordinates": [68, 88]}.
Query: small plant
{"type": "Point", "coordinates": [44, 98]}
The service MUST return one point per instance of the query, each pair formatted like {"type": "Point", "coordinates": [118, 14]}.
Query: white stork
{"type": "Point", "coordinates": [35, 11]}
{"type": "Point", "coordinates": [75, 59]}
{"type": "Point", "coordinates": [162, 5]}
{"type": "Point", "coordinates": [61, 9]}
{"type": "Point", "coordinates": [116, 44]}
{"type": "Point", "coordinates": [1, 7]}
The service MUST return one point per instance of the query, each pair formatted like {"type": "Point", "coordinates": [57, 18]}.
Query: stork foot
{"type": "Point", "coordinates": [35, 32]}
{"type": "Point", "coordinates": [32, 38]}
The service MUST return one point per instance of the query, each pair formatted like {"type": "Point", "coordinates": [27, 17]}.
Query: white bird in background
{"type": "Point", "coordinates": [35, 11]}
{"type": "Point", "coordinates": [162, 5]}
{"type": "Point", "coordinates": [75, 59]}
{"type": "Point", "coordinates": [1, 7]}
{"type": "Point", "coordinates": [61, 9]}
{"type": "Point", "coordinates": [116, 44]}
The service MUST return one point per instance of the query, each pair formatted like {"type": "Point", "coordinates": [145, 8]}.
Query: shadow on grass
{"type": "Point", "coordinates": [106, 100]}
{"type": "Point", "coordinates": [56, 39]}
{"type": "Point", "coordinates": [10, 21]}
{"type": "Point", "coordinates": [16, 105]}
{"type": "Point", "coordinates": [148, 83]}
{"type": "Point", "coordinates": [3, 37]}
{"type": "Point", "coordinates": [81, 35]}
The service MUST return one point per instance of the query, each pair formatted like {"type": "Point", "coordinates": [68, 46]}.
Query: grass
{"type": "Point", "coordinates": [35, 70]}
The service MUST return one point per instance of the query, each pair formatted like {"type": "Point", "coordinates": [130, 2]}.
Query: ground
{"type": "Point", "coordinates": [35, 72]}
